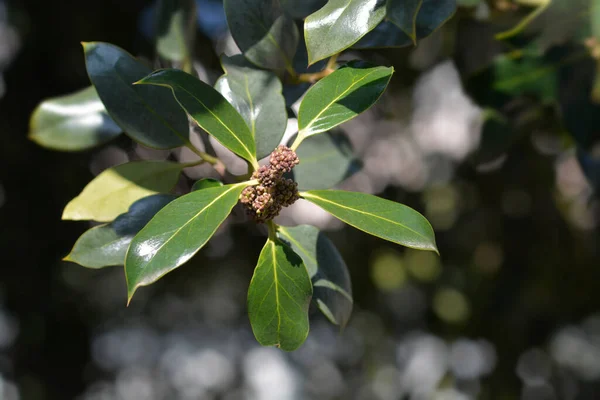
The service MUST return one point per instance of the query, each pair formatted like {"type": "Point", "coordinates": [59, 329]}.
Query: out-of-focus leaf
{"type": "Point", "coordinates": [206, 183]}
{"type": "Point", "coordinates": [279, 296]}
{"type": "Point", "coordinates": [147, 114]}
{"type": "Point", "coordinates": [256, 95]}
{"type": "Point", "coordinates": [341, 96]}
{"type": "Point", "coordinates": [325, 161]}
{"type": "Point", "coordinates": [176, 233]}
{"type": "Point", "coordinates": [515, 74]}
{"type": "Point", "coordinates": [266, 36]}
{"type": "Point", "coordinates": [497, 135]}
{"type": "Point", "coordinates": [384, 35]}
{"type": "Point", "coordinates": [300, 9]}
{"type": "Point", "coordinates": [115, 189]}
{"type": "Point", "coordinates": [580, 115]}
{"type": "Point", "coordinates": [468, 3]}
{"type": "Point", "coordinates": [403, 14]}
{"type": "Point", "coordinates": [106, 245]}
{"type": "Point", "coordinates": [209, 109]}
{"type": "Point", "coordinates": [339, 25]}
{"type": "Point", "coordinates": [540, 8]}
{"type": "Point", "coordinates": [74, 122]}
{"type": "Point", "coordinates": [332, 290]}
{"type": "Point", "coordinates": [176, 28]}
{"type": "Point", "coordinates": [379, 217]}
{"type": "Point", "coordinates": [590, 165]}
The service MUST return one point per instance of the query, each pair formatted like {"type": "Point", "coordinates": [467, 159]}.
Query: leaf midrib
{"type": "Point", "coordinates": [365, 213]}
{"type": "Point", "coordinates": [176, 232]}
{"type": "Point", "coordinates": [354, 83]}
{"type": "Point", "coordinates": [251, 156]}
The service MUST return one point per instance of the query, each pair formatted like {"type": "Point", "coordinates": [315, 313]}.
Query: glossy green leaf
{"type": "Point", "coordinates": [325, 161]}
{"type": "Point", "coordinates": [147, 114]}
{"type": "Point", "coordinates": [115, 189]}
{"type": "Point", "coordinates": [208, 108]}
{"type": "Point", "coordinates": [206, 183]}
{"type": "Point", "coordinates": [300, 9]}
{"type": "Point", "coordinates": [256, 95]}
{"type": "Point", "coordinates": [379, 217]}
{"type": "Point", "coordinates": [339, 25]}
{"type": "Point", "coordinates": [106, 245]}
{"type": "Point", "coordinates": [278, 297]}
{"type": "Point", "coordinates": [332, 290]}
{"type": "Point", "coordinates": [266, 36]}
{"type": "Point", "coordinates": [403, 13]}
{"type": "Point", "coordinates": [176, 29]}
{"type": "Point", "coordinates": [74, 122]}
{"type": "Point", "coordinates": [341, 96]}
{"type": "Point", "coordinates": [176, 233]}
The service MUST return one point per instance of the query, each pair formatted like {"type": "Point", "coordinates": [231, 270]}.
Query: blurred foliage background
{"type": "Point", "coordinates": [495, 141]}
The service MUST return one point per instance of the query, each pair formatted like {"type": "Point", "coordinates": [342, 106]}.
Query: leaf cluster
{"type": "Point", "coordinates": [152, 231]}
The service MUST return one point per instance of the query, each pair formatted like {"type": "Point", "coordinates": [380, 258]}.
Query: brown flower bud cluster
{"type": "Point", "coordinates": [264, 201]}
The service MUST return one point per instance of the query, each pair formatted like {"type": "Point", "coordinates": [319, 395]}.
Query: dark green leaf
{"type": "Point", "coordinates": [384, 35]}
{"type": "Point", "coordinates": [112, 192]}
{"type": "Point", "coordinates": [341, 96]}
{"type": "Point", "coordinates": [339, 25]}
{"type": "Point", "coordinates": [147, 114]}
{"type": "Point", "coordinates": [106, 245]}
{"type": "Point", "coordinates": [278, 297]}
{"type": "Point", "coordinates": [73, 122]}
{"type": "Point", "coordinates": [206, 183]}
{"type": "Point", "coordinates": [332, 290]}
{"type": "Point", "coordinates": [209, 109]}
{"type": "Point", "coordinates": [256, 95]}
{"type": "Point", "coordinates": [325, 161]}
{"type": "Point", "coordinates": [176, 233]}
{"type": "Point", "coordinates": [379, 217]}
{"type": "Point", "coordinates": [266, 36]}
{"type": "Point", "coordinates": [300, 9]}
{"type": "Point", "coordinates": [176, 29]}
{"type": "Point", "coordinates": [432, 15]}
{"type": "Point", "coordinates": [403, 13]}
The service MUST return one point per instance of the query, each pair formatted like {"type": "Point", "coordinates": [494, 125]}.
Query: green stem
{"type": "Point", "coordinates": [299, 138]}
{"type": "Point", "coordinates": [205, 157]}
{"type": "Point", "coordinates": [272, 230]}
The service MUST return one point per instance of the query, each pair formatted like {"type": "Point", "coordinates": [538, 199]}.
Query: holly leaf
{"type": "Point", "coordinates": [176, 233]}
{"type": "Point", "coordinates": [300, 9]}
{"type": "Point", "coordinates": [115, 189]}
{"type": "Point", "coordinates": [74, 122]}
{"type": "Point", "coordinates": [376, 216]}
{"type": "Point", "coordinates": [206, 183]}
{"type": "Point", "coordinates": [176, 29]}
{"type": "Point", "coordinates": [211, 111]}
{"type": "Point", "coordinates": [325, 161]}
{"type": "Point", "coordinates": [106, 245]}
{"type": "Point", "coordinates": [340, 24]}
{"type": "Point", "coordinates": [266, 36]}
{"type": "Point", "coordinates": [332, 290]}
{"type": "Point", "coordinates": [341, 96]}
{"type": "Point", "coordinates": [278, 297]}
{"type": "Point", "coordinates": [403, 14]}
{"type": "Point", "coordinates": [148, 115]}
{"type": "Point", "coordinates": [256, 95]}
